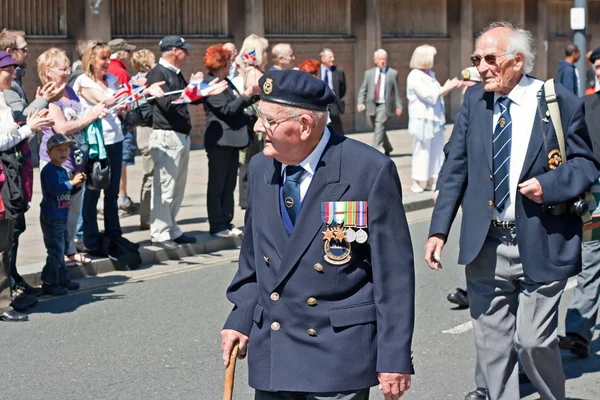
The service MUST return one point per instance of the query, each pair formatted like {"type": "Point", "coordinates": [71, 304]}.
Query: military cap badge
{"type": "Point", "coordinates": [268, 86]}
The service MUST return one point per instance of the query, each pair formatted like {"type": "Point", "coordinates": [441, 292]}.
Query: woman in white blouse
{"type": "Point", "coordinates": [426, 117]}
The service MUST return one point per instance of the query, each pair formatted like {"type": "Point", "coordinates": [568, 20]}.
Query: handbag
{"type": "Point", "coordinates": [98, 174]}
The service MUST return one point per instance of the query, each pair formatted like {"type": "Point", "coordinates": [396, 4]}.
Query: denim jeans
{"type": "Point", "coordinates": [56, 239]}
{"type": "Point", "coordinates": [112, 227]}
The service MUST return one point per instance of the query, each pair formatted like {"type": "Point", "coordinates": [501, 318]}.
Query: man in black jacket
{"type": "Point", "coordinates": [335, 78]}
{"type": "Point", "coordinates": [170, 145]}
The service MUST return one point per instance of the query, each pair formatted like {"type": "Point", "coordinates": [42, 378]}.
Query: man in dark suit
{"type": "Point", "coordinates": [518, 242]}
{"type": "Point", "coordinates": [335, 78]}
{"type": "Point", "coordinates": [580, 322]}
{"type": "Point", "coordinates": [324, 293]}
{"type": "Point", "coordinates": [379, 95]}
{"type": "Point", "coordinates": [567, 72]}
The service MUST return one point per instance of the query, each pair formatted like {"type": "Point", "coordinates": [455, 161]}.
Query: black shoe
{"type": "Point", "coordinates": [459, 298]}
{"type": "Point", "coordinates": [99, 252]}
{"type": "Point", "coordinates": [21, 301]}
{"type": "Point", "coordinates": [70, 285]}
{"type": "Point", "coordinates": [184, 239]}
{"type": "Point", "coordinates": [13, 316]}
{"type": "Point", "coordinates": [575, 343]}
{"type": "Point", "coordinates": [167, 245]}
{"type": "Point", "coordinates": [477, 394]}
{"type": "Point", "coordinates": [34, 291]}
{"type": "Point", "coordinates": [54, 290]}
{"type": "Point", "coordinates": [523, 378]}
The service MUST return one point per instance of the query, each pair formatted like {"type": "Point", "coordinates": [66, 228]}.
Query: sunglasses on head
{"type": "Point", "coordinates": [489, 58]}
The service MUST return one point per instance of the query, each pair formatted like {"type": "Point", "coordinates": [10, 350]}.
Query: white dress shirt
{"type": "Point", "coordinates": [523, 110]}
{"type": "Point", "coordinates": [378, 72]}
{"type": "Point", "coordinates": [310, 164]}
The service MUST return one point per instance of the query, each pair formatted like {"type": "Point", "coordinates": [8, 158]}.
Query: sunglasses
{"type": "Point", "coordinates": [489, 58]}
{"type": "Point", "coordinates": [23, 49]}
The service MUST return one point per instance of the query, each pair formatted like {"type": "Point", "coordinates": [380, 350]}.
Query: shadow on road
{"type": "Point", "coordinates": [98, 289]}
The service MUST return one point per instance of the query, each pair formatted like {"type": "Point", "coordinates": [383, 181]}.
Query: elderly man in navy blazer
{"type": "Point", "coordinates": [324, 293]}
{"type": "Point", "coordinates": [519, 242]}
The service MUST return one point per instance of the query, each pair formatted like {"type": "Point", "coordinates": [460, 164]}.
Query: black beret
{"type": "Point", "coordinates": [595, 55]}
{"type": "Point", "coordinates": [295, 88]}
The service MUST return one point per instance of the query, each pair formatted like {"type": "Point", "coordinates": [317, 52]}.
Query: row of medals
{"type": "Point", "coordinates": [359, 236]}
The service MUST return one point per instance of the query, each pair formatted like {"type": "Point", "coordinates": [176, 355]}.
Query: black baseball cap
{"type": "Point", "coordinates": [168, 42]}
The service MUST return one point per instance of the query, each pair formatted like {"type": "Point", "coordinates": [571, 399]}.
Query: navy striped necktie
{"type": "Point", "coordinates": [501, 147]}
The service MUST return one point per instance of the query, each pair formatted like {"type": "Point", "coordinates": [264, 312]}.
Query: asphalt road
{"type": "Point", "coordinates": [154, 334]}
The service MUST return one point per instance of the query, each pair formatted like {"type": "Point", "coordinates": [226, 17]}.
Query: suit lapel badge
{"type": "Point", "coordinates": [340, 217]}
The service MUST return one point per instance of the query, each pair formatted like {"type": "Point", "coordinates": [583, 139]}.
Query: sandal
{"type": "Point", "coordinates": [79, 258]}
{"type": "Point", "coordinates": [70, 263]}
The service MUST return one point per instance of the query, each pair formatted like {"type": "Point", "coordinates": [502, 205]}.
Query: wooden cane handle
{"type": "Point", "coordinates": [230, 374]}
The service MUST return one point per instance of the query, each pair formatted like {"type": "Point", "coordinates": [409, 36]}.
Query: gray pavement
{"type": "Point", "coordinates": [154, 334]}
{"type": "Point", "coordinates": [193, 215]}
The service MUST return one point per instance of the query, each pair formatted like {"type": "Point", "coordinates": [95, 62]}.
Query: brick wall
{"type": "Point", "coordinates": [343, 50]}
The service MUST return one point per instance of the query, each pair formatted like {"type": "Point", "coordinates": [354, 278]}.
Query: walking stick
{"type": "Point", "coordinates": [230, 374]}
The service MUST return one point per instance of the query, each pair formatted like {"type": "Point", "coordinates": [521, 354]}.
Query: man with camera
{"type": "Point", "coordinates": [519, 242]}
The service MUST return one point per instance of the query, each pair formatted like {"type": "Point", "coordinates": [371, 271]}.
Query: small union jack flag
{"type": "Point", "coordinates": [193, 92]}
{"type": "Point", "coordinates": [249, 56]}
{"type": "Point", "coordinates": [126, 91]}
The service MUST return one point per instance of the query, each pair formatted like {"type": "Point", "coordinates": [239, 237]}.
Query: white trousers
{"type": "Point", "coordinates": [427, 157]}
{"type": "Point", "coordinates": [170, 151]}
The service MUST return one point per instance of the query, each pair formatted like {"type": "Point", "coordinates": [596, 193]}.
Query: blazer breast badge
{"type": "Point", "coordinates": [346, 221]}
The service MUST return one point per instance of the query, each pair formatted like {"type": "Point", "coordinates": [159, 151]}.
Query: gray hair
{"type": "Point", "coordinates": [380, 53]}
{"type": "Point", "coordinates": [317, 116]}
{"type": "Point", "coordinates": [520, 42]}
{"type": "Point", "coordinates": [325, 51]}
{"type": "Point", "coordinates": [167, 53]}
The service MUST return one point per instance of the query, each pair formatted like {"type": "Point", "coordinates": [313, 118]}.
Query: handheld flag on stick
{"type": "Point", "coordinates": [193, 92]}
{"type": "Point", "coordinates": [126, 91]}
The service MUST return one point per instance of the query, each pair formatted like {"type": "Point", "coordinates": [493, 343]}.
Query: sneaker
{"type": "Point", "coordinates": [70, 285]}
{"type": "Point", "coordinates": [226, 233]}
{"type": "Point", "coordinates": [236, 231]}
{"type": "Point", "coordinates": [128, 205]}
{"type": "Point", "coordinates": [54, 290]}
{"type": "Point", "coordinates": [416, 188]}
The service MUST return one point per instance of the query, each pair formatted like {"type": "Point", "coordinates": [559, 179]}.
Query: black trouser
{"type": "Point", "coordinates": [222, 176]}
{"type": "Point", "coordinates": [20, 227]}
{"type": "Point", "coordinates": [244, 186]}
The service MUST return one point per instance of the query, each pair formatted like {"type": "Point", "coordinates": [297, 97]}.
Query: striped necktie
{"type": "Point", "coordinates": [501, 147]}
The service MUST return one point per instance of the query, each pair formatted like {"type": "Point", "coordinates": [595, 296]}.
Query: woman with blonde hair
{"type": "Point", "coordinates": [69, 119]}
{"type": "Point", "coordinates": [142, 62]}
{"type": "Point", "coordinates": [426, 117]}
{"type": "Point", "coordinates": [252, 60]}
{"type": "Point", "coordinates": [97, 86]}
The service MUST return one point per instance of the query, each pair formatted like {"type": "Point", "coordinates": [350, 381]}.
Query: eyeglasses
{"type": "Point", "coordinates": [268, 123]}
{"type": "Point", "coordinates": [9, 69]}
{"type": "Point", "coordinates": [489, 58]}
{"type": "Point", "coordinates": [23, 49]}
